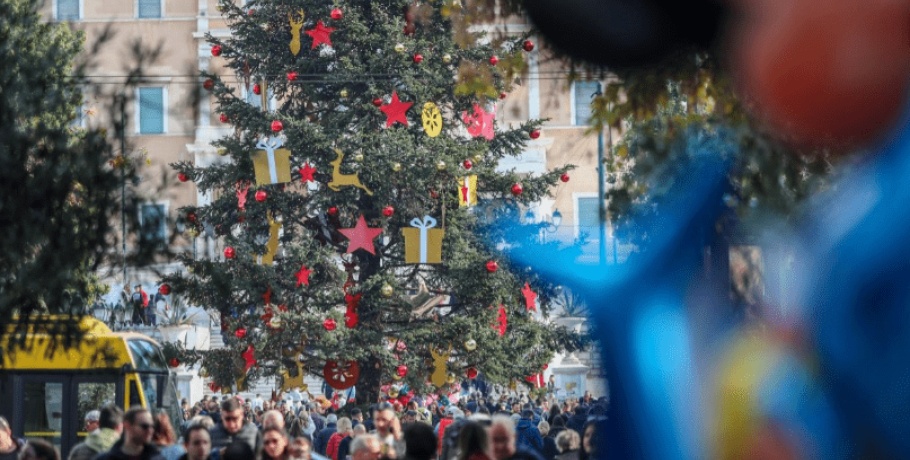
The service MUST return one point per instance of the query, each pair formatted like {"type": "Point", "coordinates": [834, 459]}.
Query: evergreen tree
{"type": "Point", "coordinates": [326, 293]}
{"type": "Point", "coordinates": [57, 190]}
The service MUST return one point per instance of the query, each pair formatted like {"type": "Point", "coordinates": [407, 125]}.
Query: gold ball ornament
{"type": "Point", "coordinates": [396, 167]}
{"type": "Point", "coordinates": [193, 232]}
{"type": "Point", "coordinates": [344, 93]}
{"type": "Point", "coordinates": [399, 48]}
{"type": "Point", "coordinates": [275, 322]}
{"type": "Point", "coordinates": [358, 158]}
{"type": "Point", "coordinates": [477, 158]}
{"type": "Point", "coordinates": [222, 151]}
{"type": "Point", "coordinates": [203, 372]}
{"type": "Point", "coordinates": [451, 379]}
{"type": "Point", "coordinates": [447, 58]}
{"type": "Point", "coordinates": [393, 392]}
{"type": "Point", "coordinates": [387, 290]}
{"type": "Point", "coordinates": [441, 166]}
{"type": "Point", "coordinates": [470, 345]}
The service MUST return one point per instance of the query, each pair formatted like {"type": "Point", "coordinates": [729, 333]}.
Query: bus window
{"type": "Point", "coordinates": [146, 355]}
{"type": "Point", "coordinates": [44, 416]}
{"type": "Point", "coordinates": [150, 388]}
{"type": "Point", "coordinates": [92, 396]}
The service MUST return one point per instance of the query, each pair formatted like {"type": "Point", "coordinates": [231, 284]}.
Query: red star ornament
{"type": "Point", "coordinates": [530, 297]}
{"type": "Point", "coordinates": [267, 297]}
{"type": "Point", "coordinates": [250, 357]}
{"type": "Point", "coordinates": [361, 236]}
{"type": "Point", "coordinates": [306, 173]}
{"type": "Point", "coordinates": [502, 322]}
{"type": "Point", "coordinates": [321, 34]}
{"type": "Point", "coordinates": [396, 111]}
{"type": "Point", "coordinates": [303, 276]}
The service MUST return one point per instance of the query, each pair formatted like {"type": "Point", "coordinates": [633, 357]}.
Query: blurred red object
{"type": "Point", "coordinates": [823, 72]}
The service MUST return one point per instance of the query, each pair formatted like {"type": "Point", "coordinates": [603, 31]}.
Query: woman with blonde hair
{"type": "Point", "coordinates": [569, 444]}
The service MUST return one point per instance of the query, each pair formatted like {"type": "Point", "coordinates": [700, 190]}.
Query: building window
{"type": "Point", "coordinates": [67, 10]}
{"type": "Point", "coordinates": [256, 99]}
{"type": "Point", "coordinates": [149, 8]}
{"type": "Point", "coordinates": [151, 110]}
{"type": "Point", "coordinates": [153, 223]}
{"type": "Point", "coordinates": [583, 94]}
{"type": "Point", "coordinates": [587, 217]}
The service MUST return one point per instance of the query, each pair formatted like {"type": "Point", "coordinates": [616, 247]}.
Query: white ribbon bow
{"type": "Point", "coordinates": [424, 225]}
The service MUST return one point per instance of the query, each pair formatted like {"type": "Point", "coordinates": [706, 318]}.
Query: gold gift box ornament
{"type": "Point", "coordinates": [273, 163]}
{"type": "Point", "coordinates": [423, 242]}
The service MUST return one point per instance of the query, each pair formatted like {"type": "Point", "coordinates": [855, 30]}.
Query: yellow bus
{"type": "Point", "coordinates": [46, 392]}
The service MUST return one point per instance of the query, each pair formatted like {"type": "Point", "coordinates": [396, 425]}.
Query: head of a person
{"type": "Point", "coordinates": [138, 426]}
{"type": "Point", "coordinates": [358, 430]}
{"type": "Point", "coordinates": [589, 438]}
{"type": "Point", "coordinates": [410, 416]}
{"type": "Point", "coordinates": [6, 434]}
{"type": "Point", "coordinates": [300, 448]}
{"type": "Point", "coordinates": [527, 414]}
{"type": "Point", "coordinates": [568, 440]}
{"type": "Point", "coordinates": [164, 432]}
{"type": "Point", "coordinates": [272, 419]}
{"type": "Point", "coordinates": [331, 418]}
{"type": "Point", "coordinates": [92, 419]}
{"type": "Point", "coordinates": [420, 443]}
{"type": "Point", "coordinates": [232, 415]}
{"type": "Point", "coordinates": [366, 447]}
{"type": "Point", "coordinates": [344, 425]}
{"type": "Point", "coordinates": [39, 449]}
{"type": "Point", "coordinates": [502, 437]}
{"type": "Point", "coordinates": [274, 442]}
{"type": "Point", "coordinates": [383, 421]}
{"type": "Point", "coordinates": [472, 438]}
{"type": "Point", "coordinates": [543, 427]}
{"type": "Point", "coordinates": [238, 450]}
{"type": "Point", "coordinates": [357, 414]}
{"type": "Point", "coordinates": [197, 442]}
{"type": "Point", "coordinates": [451, 411]}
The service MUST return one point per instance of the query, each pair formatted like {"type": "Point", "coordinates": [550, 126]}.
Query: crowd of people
{"type": "Point", "coordinates": [229, 428]}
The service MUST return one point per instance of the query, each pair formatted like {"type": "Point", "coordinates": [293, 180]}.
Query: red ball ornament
{"type": "Point", "coordinates": [472, 372]}
{"type": "Point", "coordinates": [257, 89]}
{"type": "Point", "coordinates": [223, 118]}
{"type": "Point", "coordinates": [329, 324]}
{"type": "Point", "coordinates": [418, 58]}
{"type": "Point", "coordinates": [292, 75]}
{"type": "Point", "coordinates": [208, 84]}
{"type": "Point", "coordinates": [228, 252]}
{"type": "Point", "coordinates": [535, 134]}
{"type": "Point", "coordinates": [545, 366]}
{"type": "Point", "coordinates": [333, 211]}
{"type": "Point", "coordinates": [214, 387]}
{"type": "Point", "coordinates": [377, 102]}
{"type": "Point", "coordinates": [388, 211]}
{"type": "Point", "coordinates": [564, 178]}
{"type": "Point", "coordinates": [494, 60]}
{"type": "Point", "coordinates": [191, 217]}
{"type": "Point", "coordinates": [503, 95]}
{"type": "Point", "coordinates": [277, 126]}
{"type": "Point", "coordinates": [402, 370]}
{"type": "Point", "coordinates": [240, 333]}
{"type": "Point", "coordinates": [174, 362]}
{"type": "Point", "coordinates": [164, 289]}
{"type": "Point", "coordinates": [528, 46]}
{"type": "Point", "coordinates": [261, 195]}
{"type": "Point", "coordinates": [517, 189]}
{"type": "Point", "coordinates": [182, 177]}
{"type": "Point", "coordinates": [216, 50]}
{"type": "Point", "coordinates": [251, 12]}
{"type": "Point", "coordinates": [467, 164]}
{"type": "Point", "coordinates": [337, 14]}
{"type": "Point", "coordinates": [492, 266]}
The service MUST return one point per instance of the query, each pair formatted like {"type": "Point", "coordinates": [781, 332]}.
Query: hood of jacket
{"type": "Point", "coordinates": [525, 424]}
{"type": "Point", "coordinates": [102, 439]}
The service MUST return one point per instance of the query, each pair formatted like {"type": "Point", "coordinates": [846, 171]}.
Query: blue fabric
{"type": "Point", "coordinates": [528, 435]}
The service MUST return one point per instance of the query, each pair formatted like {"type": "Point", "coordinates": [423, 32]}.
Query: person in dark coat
{"type": "Point", "coordinates": [577, 421]}
{"type": "Point", "coordinates": [136, 443]}
{"type": "Point", "coordinates": [234, 426]}
{"type": "Point", "coordinates": [527, 434]}
{"type": "Point", "coordinates": [556, 426]}
{"type": "Point", "coordinates": [10, 447]}
{"type": "Point", "coordinates": [569, 444]}
{"type": "Point", "coordinates": [549, 450]}
{"type": "Point", "coordinates": [197, 442]}
{"type": "Point", "coordinates": [321, 439]}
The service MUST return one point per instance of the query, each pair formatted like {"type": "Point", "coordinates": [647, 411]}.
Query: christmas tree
{"type": "Point", "coordinates": [361, 212]}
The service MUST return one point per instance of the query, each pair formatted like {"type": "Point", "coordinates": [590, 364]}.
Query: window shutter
{"type": "Point", "coordinates": [151, 110]}
{"type": "Point", "coordinates": [584, 91]}
{"type": "Point", "coordinates": [588, 217]}
{"type": "Point", "coordinates": [67, 10]}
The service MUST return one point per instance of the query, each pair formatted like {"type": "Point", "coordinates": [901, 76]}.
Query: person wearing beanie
{"type": "Point", "coordinates": [321, 441]}
{"type": "Point", "coordinates": [526, 432]}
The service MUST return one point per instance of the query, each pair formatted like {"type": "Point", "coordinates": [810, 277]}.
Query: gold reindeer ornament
{"type": "Point", "coordinates": [340, 180]}
{"type": "Point", "coordinates": [296, 25]}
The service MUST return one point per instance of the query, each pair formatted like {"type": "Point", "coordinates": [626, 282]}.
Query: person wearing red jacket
{"type": "Point", "coordinates": [344, 430]}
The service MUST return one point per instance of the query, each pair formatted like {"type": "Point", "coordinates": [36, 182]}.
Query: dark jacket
{"type": "Point", "coordinates": [344, 447]}
{"type": "Point", "coordinates": [186, 457]}
{"type": "Point", "coordinates": [569, 455]}
{"type": "Point", "coordinates": [20, 444]}
{"type": "Point", "coordinates": [549, 451]}
{"type": "Point", "coordinates": [248, 434]}
{"type": "Point", "coordinates": [577, 421]}
{"type": "Point", "coordinates": [527, 434]}
{"type": "Point", "coordinates": [523, 453]}
{"type": "Point", "coordinates": [321, 440]}
{"type": "Point", "coordinates": [150, 452]}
